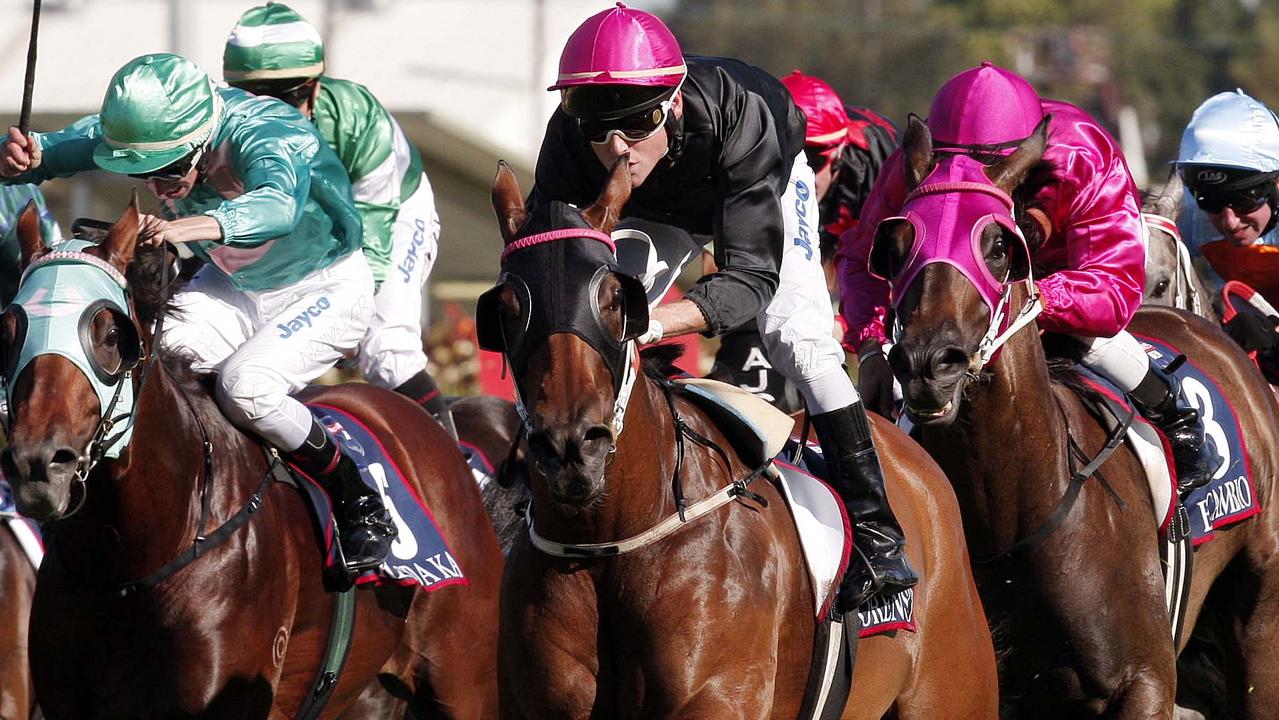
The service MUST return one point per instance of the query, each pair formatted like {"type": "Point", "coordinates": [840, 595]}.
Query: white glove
{"type": "Point", "coordinates": [652, 335]}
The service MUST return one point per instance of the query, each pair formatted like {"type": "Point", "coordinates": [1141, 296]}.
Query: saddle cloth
{"type": "Point", "coordinates": [26, 531]}
{"type": "Point", "coordinates": [826, 538]}
{"type": "Point", "coordinates": [420, 554]}
{"type": "Point", "coordinates": [1230, 496]}
{"type": "Point", "coordinates": [481, 468]}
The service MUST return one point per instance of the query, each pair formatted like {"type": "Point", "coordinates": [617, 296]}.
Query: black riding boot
{"type": "Point", "coordinates": [1158, 399]}
{"type": "Point", "coordinates": [421, 389]}
{"type": "Point", "coordinates": [365, 528]}
{"type": "Point", "coordinates": [855, 473]}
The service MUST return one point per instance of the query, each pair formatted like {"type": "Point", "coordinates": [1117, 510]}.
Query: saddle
{"type": "Point", "coordinates": [755, 429]}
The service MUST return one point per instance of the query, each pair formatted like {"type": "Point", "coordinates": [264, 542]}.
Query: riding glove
{"type": "Point", "coordinates": [875, 379]}
{"type": "Point", "coordinates": [1253, 332]}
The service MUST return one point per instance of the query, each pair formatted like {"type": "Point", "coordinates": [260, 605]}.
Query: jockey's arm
{"type": "Point", "coordinates": [175, 232]}
{"type": "Point", "coordinates": [680, 318]}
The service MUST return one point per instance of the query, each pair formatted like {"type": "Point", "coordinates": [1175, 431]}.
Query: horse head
{"type": "Point", "coordinates": [565, 316]}
{"type": "Point", "coordinates": [68, 343]}
{"type": "Point", "coordinates": [959, 267]}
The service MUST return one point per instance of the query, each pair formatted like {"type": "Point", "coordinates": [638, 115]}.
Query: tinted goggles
{"type": "Point", "coordinates": [635, 127]}
{"type": "Point", "coordinates": [288, 90]}
{"type": "Point", "coordinates": [819, 157]}
{"type": "Point", "coordinates": [174, 171]}
{"type": "Point", "coordinates": [1242, 200]}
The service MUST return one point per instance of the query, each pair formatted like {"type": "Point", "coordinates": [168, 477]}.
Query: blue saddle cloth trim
{"type": "Point", "coordinates": [878, 616]}
{"type": "Point", "coordinates": [1230, 496]}
{"type": "Point", "coordinates": [420, 555]}
{"type": "Point", "coordinates": [8, 508]}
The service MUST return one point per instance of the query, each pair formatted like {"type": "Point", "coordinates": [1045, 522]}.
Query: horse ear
{"type": "Point", "coordinates": [1168, 202]}
{"type": "Point", "coordinates": [604, 213]}
{"type": "Point", "coordinates": [508, 202]}
{"type": "Point", "coordinates": [1010, 172]}
{"type": "Point", "coordinates": [30, 234]}
{"type": "Point", "coordinates": [917, 151]}
{"type": "Point", "coordinates": [122, 240]}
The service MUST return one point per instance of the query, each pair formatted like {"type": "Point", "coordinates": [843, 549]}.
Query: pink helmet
{"type": "Point", "coordinates": [986, 105]}
{"type": "Point", "coordinates": [827, 121]}
{"type": "Point", "coordinates": [621, 46]}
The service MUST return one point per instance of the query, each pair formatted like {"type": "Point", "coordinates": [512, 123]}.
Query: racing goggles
{"type": "Point", "coordinates": [1242, 200]}
{"type": "Point", "coordinates": [632, 127]}
{"type": "Point", "coordinates": [174, 171]}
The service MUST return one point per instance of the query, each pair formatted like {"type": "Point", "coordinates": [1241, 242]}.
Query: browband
{"type": "Point", "coordinates": [545, 237]}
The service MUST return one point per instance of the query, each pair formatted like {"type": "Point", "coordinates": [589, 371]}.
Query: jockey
{"type": "Point", "coordinates": [1229, 162]}
{"type": "Point", "coordinates": [249, 186]}
{"type": "Point", "coordinates": [1083, 227]}
{"type": "Point", "coordinates": [715, 146]}
{"type": "Point", "coordinates": [13, 200]}
{"type": "Point", "coordinates": [273, 51]}
{"type": "Point", "coordinates": [846, 146]}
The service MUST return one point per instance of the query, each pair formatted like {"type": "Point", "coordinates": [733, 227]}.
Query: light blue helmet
{"type": "Point", "coordinates": [1231, 130]}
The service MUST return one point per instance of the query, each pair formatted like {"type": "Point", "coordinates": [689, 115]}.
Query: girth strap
{"type": "Point", "coordinates": [338, 647]}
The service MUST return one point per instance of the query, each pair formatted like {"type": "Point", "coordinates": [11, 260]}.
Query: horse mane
{"type": "Point", "coordinates": [151, 289]}
{"type": "Point", "coordinates": [659, 361]}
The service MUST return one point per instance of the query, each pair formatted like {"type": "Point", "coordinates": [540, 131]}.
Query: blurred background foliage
{"type": "Point", "coordinates": [1160, 58]}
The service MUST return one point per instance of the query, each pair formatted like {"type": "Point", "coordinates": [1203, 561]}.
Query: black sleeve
{"type": "Point", "coordinates": [748, 227]}
{"type": "Point", "coordinates": [566, 170]}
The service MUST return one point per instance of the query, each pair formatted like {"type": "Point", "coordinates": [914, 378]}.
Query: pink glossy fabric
{"type": "Point", "coordinates": [827, 120]}
{"type": "Point", "coordinates": [952, 119]}
{"type": "Point", "coordinates": [1091, 270]}
{"type": "Point", "coordinates": [949, 210]}
{"type": "Point", "coordinates": [621, 46]}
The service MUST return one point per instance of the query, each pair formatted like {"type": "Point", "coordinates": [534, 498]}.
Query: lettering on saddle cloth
{"type": "Point", "coordinates": [420, 554]}
{"type": "Point", "coordinates": [304, 319]}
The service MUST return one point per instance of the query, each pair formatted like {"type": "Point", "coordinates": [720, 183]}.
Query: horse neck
{"type": "Point", "coordinates": [1003, 452]}
{"type": "Point", "coordinates": [141, 510]}
{"type": "Point", "coordinates": [637, 491]}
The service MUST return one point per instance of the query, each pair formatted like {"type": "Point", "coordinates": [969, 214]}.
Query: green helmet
{"type": "Point", "coordinates": [158, 109]}
{"type": "Point", "coordinates": [272, 42]}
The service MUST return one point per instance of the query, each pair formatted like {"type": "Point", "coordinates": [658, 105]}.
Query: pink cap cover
{"type": "Point", "coordinates": [621, 46]}
{"type": "Point", "coordinates": [986, 105]}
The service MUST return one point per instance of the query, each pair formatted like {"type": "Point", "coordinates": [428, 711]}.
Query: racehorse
{"type": "Point", "coordinates": [1080, 593]}
{"type": "Point", "coordinates": [143, 609]}
{"type": "Point", "coordinates": [17, 585]}
{"type": "Point", "coordinates": [1171, 278]}
{"type": "Point", "coordinates": [715, 620]}
{"type": "Point", "coordinates": [490, 426]}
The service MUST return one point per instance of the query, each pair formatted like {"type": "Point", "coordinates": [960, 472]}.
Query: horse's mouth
{"type": "Point", "coordinates": [923, 412]}
{"type": "Point", "coordinates": [922, 416]}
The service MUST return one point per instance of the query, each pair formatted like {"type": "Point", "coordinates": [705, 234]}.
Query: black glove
{"type": "Point", "coordinates": [1253, 332]}
{"type": "Point", "coordinates": [875, 380]}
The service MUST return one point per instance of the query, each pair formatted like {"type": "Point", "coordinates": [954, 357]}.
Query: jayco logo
{"type": "Point", "coordinates": [304, 318]}
{"type": "Point", "coordinates": [801, 209]}
{"type": "Point", "coordinates": [410, 260]}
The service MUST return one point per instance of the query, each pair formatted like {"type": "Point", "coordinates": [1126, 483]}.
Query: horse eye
{"type": "Point", "coordinates": [1161, 287]}
{"type": "Point", "coordinates": [113, 337]}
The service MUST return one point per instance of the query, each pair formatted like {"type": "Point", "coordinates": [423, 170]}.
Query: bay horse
{"type": "Point", "coordinates": [17, 585]}
{"type": "Point", "coordinates": [1171, 277]}
{"type": "Point", "coordinates": [1082, 601]}
{"type": "Point", "coordinates": [239, 630]}
{"type": "Point", "coordinates": [716, 620]}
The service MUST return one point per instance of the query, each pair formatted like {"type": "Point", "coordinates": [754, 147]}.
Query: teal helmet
{"type": "Point", "coordinates": [272, 42]}
{"type": "Point", "coordinates": [158, 109]}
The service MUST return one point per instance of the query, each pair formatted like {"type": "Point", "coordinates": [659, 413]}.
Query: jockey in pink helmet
{"type": "Point", "coordinates": [846, 145]}
{"type": "Point", "coordinates": [1083, 224]}
{"type": "Point", "coordinates": [715, 147]}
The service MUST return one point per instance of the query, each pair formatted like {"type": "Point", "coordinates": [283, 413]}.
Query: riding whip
{"type": "Point", "coordinates": [24, 117]}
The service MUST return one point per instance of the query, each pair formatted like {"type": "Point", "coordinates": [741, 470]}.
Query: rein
{"type": "Point", "coordinates": [684, 514]}
{"type": "Point", "coordinates": [1077, 479]}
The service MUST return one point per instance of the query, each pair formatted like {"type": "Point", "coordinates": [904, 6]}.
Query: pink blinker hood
{"type": "Point", "coordinates": [948, 212]}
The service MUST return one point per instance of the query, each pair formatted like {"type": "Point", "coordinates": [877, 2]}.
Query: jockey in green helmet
{"type": "Point", "coordinates": [249, 186]}
{"type": "Point", "coordinates": [274, 51]}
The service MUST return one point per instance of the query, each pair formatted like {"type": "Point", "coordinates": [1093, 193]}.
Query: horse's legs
{"type": "Point", "coordinates": [1256, 606]}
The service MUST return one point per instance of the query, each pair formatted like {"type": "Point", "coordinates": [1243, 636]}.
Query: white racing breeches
{"type": "Point", "coordinates": [798, 324]}
{"type": "Point", "coordinates": [391, 352]}
{"type": "Point", "coordinates": [268, 345]}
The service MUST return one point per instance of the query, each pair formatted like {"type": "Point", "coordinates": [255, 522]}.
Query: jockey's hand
{"type": "Point", "coordinates": [19, 154]}
{"type": "Point", "coordinates": [1253, 332]}
{"type": "Point", "coordinates": [875, 379]}
{"type": "Point", "coordinates": [154, 231]}
{"type": "Point", "coordinates": [652, 334]}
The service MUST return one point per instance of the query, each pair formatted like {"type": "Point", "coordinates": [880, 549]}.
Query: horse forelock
{"type": "Point", "coordinates": [152, 282]}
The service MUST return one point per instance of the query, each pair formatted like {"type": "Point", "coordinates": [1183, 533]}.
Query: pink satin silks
{"type": "Point", "coordinates": [1091, 268]}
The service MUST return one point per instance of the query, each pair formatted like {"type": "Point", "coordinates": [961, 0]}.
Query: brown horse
{"type": "Point", "coordinates": [239, 631]}
{"type": "Point", "coordinates": [717, 619]}
{"type": "Point", "coordinates": [17, 585]}
{"type": "Point", "coordinates": [1084, 606]}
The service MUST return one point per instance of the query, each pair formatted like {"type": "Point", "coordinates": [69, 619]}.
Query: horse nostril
{"type": "Point", "coordinates": [949, 361]}
{"type": "Point", "coordinates": [597, 439]}
{"type": "Point", "coordinates": [64, 456]}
